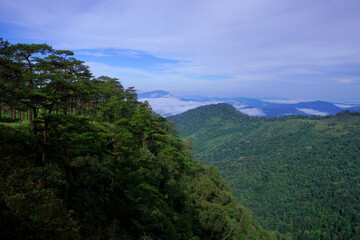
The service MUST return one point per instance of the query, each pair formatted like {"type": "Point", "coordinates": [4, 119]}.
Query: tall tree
{"type": "Point", "coordinates": [23, 73]}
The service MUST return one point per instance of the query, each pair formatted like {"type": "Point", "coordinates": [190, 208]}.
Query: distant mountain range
{"type": "Point", "coordinates": [166, 104]}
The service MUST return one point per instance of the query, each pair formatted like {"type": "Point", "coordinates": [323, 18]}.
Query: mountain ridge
{"type": "Point", "coordinates": [299, 174]}
{"type": "Point", "coordinates": [166, 104]}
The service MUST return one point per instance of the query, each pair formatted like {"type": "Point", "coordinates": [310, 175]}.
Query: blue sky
{"type": "Point", "coordinates": [302, 49]}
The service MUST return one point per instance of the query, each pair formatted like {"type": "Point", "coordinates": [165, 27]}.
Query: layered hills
{"type": "Point", "coordinates": [299, 174]}
{"type": "Point", "coordinates": [166, 104]}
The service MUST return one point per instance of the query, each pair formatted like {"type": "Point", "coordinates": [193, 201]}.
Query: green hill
{"type": "Point", "coordinates": [81, 158]}
{"type": "Point", "coordinates": [300, 175]}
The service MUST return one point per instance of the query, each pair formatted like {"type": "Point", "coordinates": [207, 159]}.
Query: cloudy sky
{"type": "Point", "coordinates": [301, 49]}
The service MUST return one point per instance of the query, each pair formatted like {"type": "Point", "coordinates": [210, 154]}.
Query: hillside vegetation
{"type": "Point", "coordinates": [300, 175]}
{"type": "Point", "coordinates": [81, 158]}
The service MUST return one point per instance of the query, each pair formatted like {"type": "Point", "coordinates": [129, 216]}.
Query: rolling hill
{"type": "Point", "coordinates": [299, 174]}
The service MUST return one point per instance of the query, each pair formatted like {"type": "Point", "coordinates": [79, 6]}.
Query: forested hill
{"type": "Point", "coordinates": [81, 158]}
{"type": "Point", "coordinates": [300, 175]}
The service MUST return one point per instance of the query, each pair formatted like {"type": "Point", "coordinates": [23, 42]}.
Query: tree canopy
{"type": "Point", "coordinates": [81, 158]}
{"type": "Point", "coordinates": [299, 175]}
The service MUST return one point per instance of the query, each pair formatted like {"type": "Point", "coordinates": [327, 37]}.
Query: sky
{"type": "Point", "coordinates": [297, 49]}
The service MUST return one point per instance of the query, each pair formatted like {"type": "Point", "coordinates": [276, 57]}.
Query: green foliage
{"type": "Point", "coordinates": [89, 161]}
{"type": "Point", "coordinates": [300, 175]}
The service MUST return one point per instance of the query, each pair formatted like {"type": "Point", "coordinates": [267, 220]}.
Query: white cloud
{"type": "Point", "coordinates": [250, 111]}
{"type": "Point", "coordinates": [252, 41]}
{"type": "Point", "coordinates": [154, 95]}
{"type": "Point", "coordinates": [168, 106]}
{"type": "Point", "coordinates": [283, 101]}
{"type": "Point", "coordinates": [239, 106]}
{"type": "Point", "coordinates": [147, 81]}
{"type": "Point", "coordinates": [343, 105]}
{"type": "Point", "coordinates": [312, 112]}
{"type": "Point", "coordinates": [346, 80]}
{"type": "Point", "coordinates": [91, 53]}
{"type": "Point", "coordinates": [104, 69]}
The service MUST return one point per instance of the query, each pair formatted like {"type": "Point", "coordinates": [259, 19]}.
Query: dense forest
{"type": "Point", "coordinates": [300, 175]}
{"type": "Point", "coordinates": [81, 158]}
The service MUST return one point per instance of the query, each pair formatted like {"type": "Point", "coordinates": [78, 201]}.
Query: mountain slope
{"type": "Point", "coordinates": [299, 175]}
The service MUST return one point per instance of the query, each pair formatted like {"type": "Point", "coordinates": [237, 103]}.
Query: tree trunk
{"type": "Point", "coordinates": [92, 110]}
{"type": "Point", "coordinates": [76, 107]}
{"type": "Point", "coordinates": [111, 196]}
{"type": "Point", "coordinates": [35, 113]}
{"type": "Point", "coordinates": [31, 88]}
{"type": "Point", "coordinates": [71, 107]}
{"type": "Point", "coordinates": [44, 142]}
